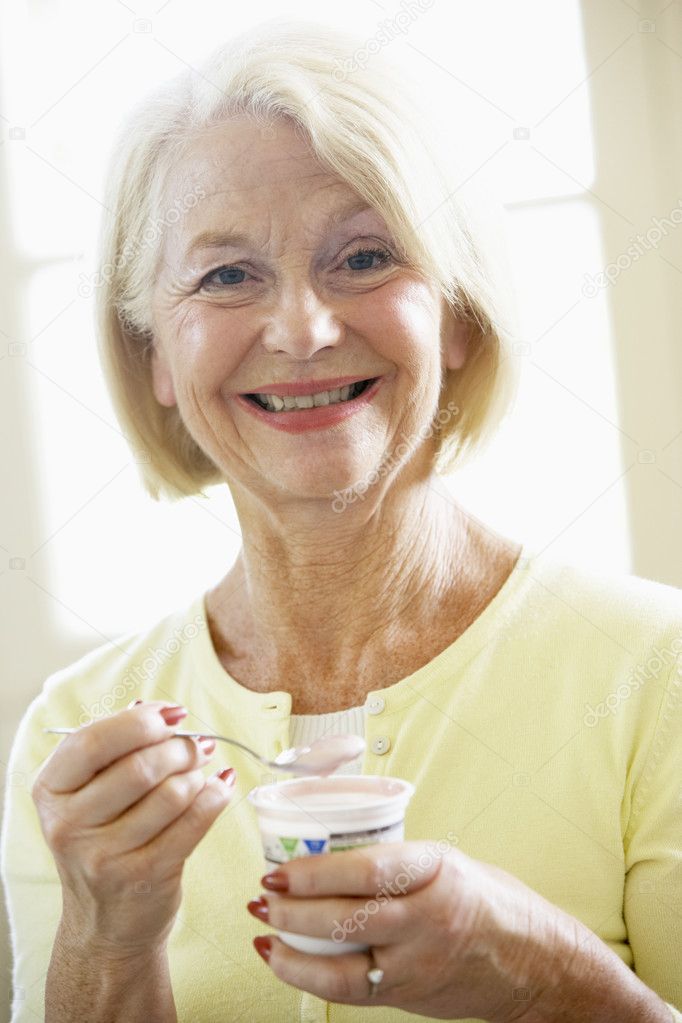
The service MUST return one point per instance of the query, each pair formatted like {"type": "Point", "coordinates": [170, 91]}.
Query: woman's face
{"type": "Point", "coordinates": [294, 294]}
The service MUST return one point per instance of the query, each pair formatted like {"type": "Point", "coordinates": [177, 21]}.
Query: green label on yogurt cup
{"type": "Point", "coordinates": [282, 848]}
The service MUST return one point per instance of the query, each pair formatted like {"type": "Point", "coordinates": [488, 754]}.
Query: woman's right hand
{"type": "Point", "coordinates": [122, 804]}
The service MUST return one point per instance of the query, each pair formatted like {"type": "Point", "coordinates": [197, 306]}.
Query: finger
{"type": "Point", "coordinates": [152, 815]}
{"type": "Point", "coordinates": [392, 868]}
{"type": "Point", "coordinates": [82, 754]}
{"type": "Point", "coordinates": [341, 978]}
{"type": "Point", "coordinates": [120, 785]}
{"type": "Point", "coordinates": [172, 847]}
{"type": "Point", "coordinates": [381, 921]}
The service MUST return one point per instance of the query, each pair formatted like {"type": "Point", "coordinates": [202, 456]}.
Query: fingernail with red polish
{"type": "Point", "coordinates": [133, 703]}
{"type": "Point", "coordinates": [171, 715]}
{"type": "Point", "coordinates": [206, 745]}
{"type": "Point", "coordinates": [276, 882]}
{"type": "Point", "coordinates": [228, 775]}
{"type": "Point", "coordinates": [258, 907]}
{"type": "Point", "coordinates": [263, 946]}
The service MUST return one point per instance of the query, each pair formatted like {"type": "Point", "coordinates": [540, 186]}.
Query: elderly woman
{"type": "Point", "coordinates": [314, 326]}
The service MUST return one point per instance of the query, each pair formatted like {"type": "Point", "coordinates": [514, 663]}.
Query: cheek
{"type": "Point", "coordinates": [211, 346]}
{"type": "Point", "coordinates": [404, 321]}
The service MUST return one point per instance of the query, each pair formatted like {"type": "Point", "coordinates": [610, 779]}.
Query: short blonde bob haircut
{"type": "Point", "coordinates": [363, 125]}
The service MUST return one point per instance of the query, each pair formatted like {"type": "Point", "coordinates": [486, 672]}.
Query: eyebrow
{"type": "Point", "coordinates": [223, 239]}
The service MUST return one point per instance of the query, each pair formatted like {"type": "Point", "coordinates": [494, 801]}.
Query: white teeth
{"type": "Point", "coordinates": [275, 403]}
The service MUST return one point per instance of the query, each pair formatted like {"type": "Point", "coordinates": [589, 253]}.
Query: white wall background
{"type": "Point", "coordinates": [566, 115]}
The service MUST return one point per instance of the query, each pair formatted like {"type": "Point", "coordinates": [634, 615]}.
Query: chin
{"type": "Point", "coordinates": [324, 477]}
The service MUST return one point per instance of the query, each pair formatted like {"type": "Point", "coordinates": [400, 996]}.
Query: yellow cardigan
{"type": "Point", "coordinates": [547, 740]}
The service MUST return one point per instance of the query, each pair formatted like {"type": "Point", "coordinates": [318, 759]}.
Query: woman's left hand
{"type": "Point", "coordinates": [455, 937]}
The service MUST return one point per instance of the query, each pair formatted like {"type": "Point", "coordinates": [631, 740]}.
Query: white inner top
{"type": "Point", "coordinates": [305, 728]}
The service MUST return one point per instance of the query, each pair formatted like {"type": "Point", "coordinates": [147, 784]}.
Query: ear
{"type": "Point", "coordinates": [455, 339]}
{"type": "Point", "coordinates": [162, 380]}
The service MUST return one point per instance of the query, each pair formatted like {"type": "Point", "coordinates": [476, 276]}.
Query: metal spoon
{"type": "Point", "coordinates": [297, 759]}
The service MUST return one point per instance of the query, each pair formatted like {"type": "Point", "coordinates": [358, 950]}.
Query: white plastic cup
{"type": "Point", "coordinates": [314, 815]}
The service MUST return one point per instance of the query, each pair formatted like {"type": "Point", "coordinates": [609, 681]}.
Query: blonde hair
{"type": "Point", "coordinates": [362, 124]}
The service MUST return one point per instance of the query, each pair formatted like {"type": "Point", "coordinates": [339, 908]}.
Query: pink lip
{"type": "Point", "coordinates": [299, 387]}
{"type": "Point", "coordinates": [301, 420]}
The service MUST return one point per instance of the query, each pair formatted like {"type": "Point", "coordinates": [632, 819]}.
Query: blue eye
{"type": "Point", "coordinates": [366, 255]}
{"type": "Point", "coordinates": [224, 275]}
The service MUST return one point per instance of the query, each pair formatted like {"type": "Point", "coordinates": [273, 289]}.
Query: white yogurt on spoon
{"type": "Point", "coordinates": [324, 755]}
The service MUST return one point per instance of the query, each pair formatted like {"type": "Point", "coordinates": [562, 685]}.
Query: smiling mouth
{"type": "Point", "coordinates": [275, 403]}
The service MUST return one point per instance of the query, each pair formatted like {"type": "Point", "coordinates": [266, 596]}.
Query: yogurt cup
{"type": "Point", "coordinates": [314, 815]}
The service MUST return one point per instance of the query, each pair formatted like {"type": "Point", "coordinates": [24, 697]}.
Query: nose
{"type": "Point", "coordinates": [300, 323]}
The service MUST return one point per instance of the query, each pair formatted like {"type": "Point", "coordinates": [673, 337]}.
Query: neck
{"type": "Point", "coordinates": [319, 606]}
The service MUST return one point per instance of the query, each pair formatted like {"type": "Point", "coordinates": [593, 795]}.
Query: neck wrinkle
{"type": "Point", "coordinates": [326, 609]}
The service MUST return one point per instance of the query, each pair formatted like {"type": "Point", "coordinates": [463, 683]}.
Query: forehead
{"type": "Point", "coordinates": [241, 162]}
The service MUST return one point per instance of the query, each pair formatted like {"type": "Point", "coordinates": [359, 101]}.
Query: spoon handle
{"type": "Point", "coordinates": [287, 768]}
{"type": "Point", "coordinates": [232, 742]}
